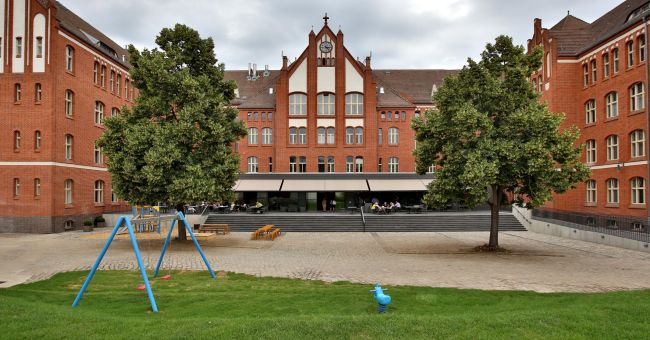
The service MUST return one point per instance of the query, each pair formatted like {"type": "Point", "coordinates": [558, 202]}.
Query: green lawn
{"type": "Point", "coordinates": [192, 305]}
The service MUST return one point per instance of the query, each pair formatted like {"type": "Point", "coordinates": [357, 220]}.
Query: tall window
{"type": "Point", "coordinates": [638, 190]}
{"type": "Point", "coordinates": [642, 48]}
{"type": "Point", "coordinates": [354, 104]}
{"type": "Point", "coordinates": [330, 135]}
{"type": "Point", "coordinates": [321, 135]}
{"type": "Point", "coordinates": [548, 65]}
{"type": "Point", "coordinates": [615, 60]}
{"type": "Point", "coordinates": [67, 191]}
{"type": "Point", "coordinates": [99, 113]}
{"type": "Point", "coordinates": [359, 135]}
{"type": "Point", "coordinates": [68, 147]}
{"type": "Point", "coordinates": [19, 47]}
{"type": "Point", "coordinates": [69, 58]}
{"type": "Point", "coordinates": [393, 136]}
{"type": "Point", "coordinates": [114, 198]}
{"type": "Point", "coordinates": [37, 187]}
{"type": "Point", "coordinates": [590, 111]}
{"type": "Point", "coordinates": [96, 73]}
{"type": "Point", "coordinates": [252, 136]}
{"type": "Point", "coordinates": [126, 89]}
{"type": "Point", "coordinates": [612, 191]}
{"type": "Point", "coordinates": [630, 54]}
{"type": "Point", "coordinates": [302, 166]}
{"type": "Point", "coordinates": [297, 104]}
{"type": "Point", "coordinates": [349, 164]}
{"type": "Point", "coordinates": [99, 192]}
{"type": "Point", "coordinates": [590, 147]}
{"type": "Point", "coordinates": [267, 136]}
{"type": "Point", "coordinates": [102, 76]}
{"type": "Point", "coordinates": [379, 165]}
{"type": "Point", "coordinates": [321, 164]}
{"type": "Point", "coordinates": [69, 96]}
{"type": "Point", "coordinates": [17, 93]}
{"type": "Point", "coordinates": [612, 148]}
{"type": "Point", "coordinates": [270, 164]}
{"type": "Point", "coordinates": [293, 135]}
{"type": "Point", "coordinates": [302, 135]}
{"type": "Point", "coordinates": [585, 75]}
{"type": "Point", "coordinates": [637, 143]}
{"type": "Point", "coordinates": [349, 135]}
{"type": "Point", "coordinates": [326, 104]}
{"type": "Point", "coordinates": [97, 155]}
{"type": "Point", "coordinates": [611, 104]}
{"type": "Point", "coordinates": [593, 71]}
{"type": "Point", "coordinates": [16, 187]}
{"type": "Point", "coordinates": [37, 140]}
{"type": "Point", "coordinates": [253, 166]}
{"type": "Point", "coordinates": [540, 83]}
{"type": "Point", "coordinates": [292, 164]}
{"type": "Point", "coordinates": [358, 162]}
{"type": "Point", "coordinates": [637, 97]}
{"type": "Point", "coordinates": [112, 81]}
{"type": "Point", "coordinates": [330, 163]}
{"type": "Point", "coordinates": [606, 65]}
{"type": "Point", "coordinates": [119, 84]}
{"type": "Point", "coordinates": [380, 136]}
{"type": "Point", "coordinates": [115, 112]}
{"type": "Point", "coordinates": [16, 140]}
{"type": "Point", "coordinates": [393, 164]}
{"type": "Point", "coordinates": [38, 93]}
{"type": "Point", "coordinates": [591, 191]}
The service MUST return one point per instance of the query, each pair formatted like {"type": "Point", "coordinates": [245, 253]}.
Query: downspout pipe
{"type": "Point", "coordinates": [647, 125]}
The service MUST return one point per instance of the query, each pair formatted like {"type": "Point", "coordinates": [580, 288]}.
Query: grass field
{"type": "Point", "coordinates": [192, 305]}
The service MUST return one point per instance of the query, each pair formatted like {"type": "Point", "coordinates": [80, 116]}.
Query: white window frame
{"type": "Point", "coordinates": [590, 111]}
{"type": "Point", "coordinates": [637, 185]}
{"type": "Point", "coordinates": [297, 104]}
{"type": "Point", "coordinates": [637, 97]}
{"type": "Point", "coordinates": [612, 147]}
{"type": "Point", "coordinates": [611, 104]}
{"type": "Point", "coordinates": [349, 135]}
{"type": "Point", "coordinates": [592, 191]}
{"type": "Point", "coordinates": [590, 151]}
{"type": "Point", "coordinates": [99, 113]}
{"type": "Point", "coordinates": [69, 59]}
{"type": "Point", "coordinates": [354, 103]}
{"type": "Point", "coordinates": [252, 136]}
{"type": "Point", "coordinates": [253, 165]}
{"type": "Point", "coordinates": [393, 136]}
{"type": "Point", "coordinates": [637, 143]}
{"type": "Point", "coordinates": [330, 135]}
{"type": "Point", "coordinates": [99, 192]}
{"type": "Point", "coordinates": [267, 136]}
{"type": "Point", "coordinates": [326, 104]}
{"type": "Point", "coordinates": [358, 135]}
{"type": "Point", "coordinates": [69, 103]}
{"type": "Point", "coordinates": [67, 191]}
{"type": "Point", "coordinates": [69, 141]}
{"type": "Point", "coordinates": [320, 135]}
{"type": "Point", "coordinates": [606, 65]}
{"type": "Point", "coordinates": [97, 155]}
{"type": "Point", "coordinates": [613, 191]}
{"type": "Point", "coordinates": [302, 135]}
{"type": "Point", "coordinates": [393, 164]}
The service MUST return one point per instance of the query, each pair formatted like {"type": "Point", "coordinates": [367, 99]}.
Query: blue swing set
{"type": "Point", "coordinates": [140, 221]}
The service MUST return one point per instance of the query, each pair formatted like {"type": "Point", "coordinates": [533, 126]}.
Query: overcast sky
{"type": "Point", "coordinates": [400, 34]}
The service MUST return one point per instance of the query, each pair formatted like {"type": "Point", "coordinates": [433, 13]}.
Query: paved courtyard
{"type": "Point", "coordinates": [535, 262]}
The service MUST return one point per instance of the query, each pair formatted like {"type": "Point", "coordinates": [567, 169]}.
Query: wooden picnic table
{"type": "Point", "coordinates": [261, 232]}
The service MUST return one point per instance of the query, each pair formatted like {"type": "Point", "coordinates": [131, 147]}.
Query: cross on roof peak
{"type": "Point", "coordinates": [326, 18]}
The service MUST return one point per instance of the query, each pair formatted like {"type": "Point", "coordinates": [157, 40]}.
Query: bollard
{"type": "Point", "coordinates": [382, 299]}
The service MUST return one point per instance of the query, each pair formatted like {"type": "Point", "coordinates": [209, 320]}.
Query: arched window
{"type": "Point", "coordinates": [112, 82]}
{"type": "Point", "coordinates": [253, 165]}
{"type": "Point", "coordinates": [326, 103]}
{"type": "Point", "coordinates": [330, 135]}
{"type": "Point", "coordinates": [591, 191]}
{"type": "Point", "coordinates": [594, 71]}
{"type": "Point", "coordinates": [17, 140]}
{"type": "Point", "coordinates": [611, 104]}
{"type": "Point", "coordinates": [99, 192]}
{"type": "Point", "coordinates": [354, 104]}
{"type": "Point", "coordinates": [297, 104]}
{"type": "Point", "coordinates": [292, 164]}
{"type": "Point", "coordinates": [393, 136]}
{"type": "Point", "coordinates": [349, 164]}
{"type": "Point", "coordinates": [69, 96]}
{"type": "Point", "coordinates": [590, 151]}
{"type": "Point", "coordinates": [637, 184]}
{"type": "Point", "coordinates": [96, 73]}
{"type": "Point", "coordinates": [637, 97]}
{"type": "Point", "coordinates": [383, 115]}
{"type": "Point", "coordinates": [252, 136]}
{"type": "Point", "coordinates": [69, 58]}
{"type": "Point", "coordinates": [637, 143]}
{"type": "Point", "coordinates": [67, 191]}
{"type": "Point", "coordinates": [630, 54]}
{"type": "Point", "coordinates": [118, 85]}
{"type": "Point", "coordinates": [127, 84]}
{"type": "Point", "coordinates": [349, 135]}
{"type": "Point", "coordinates": [606, 65]}
{"type": "Point", "coordinates": [330, 163]}
{"type": "Point", "coordinates": [302, 166]}
{"type": "Point", "coordinates": [612, 191]}
{"type": "Point", "coordinates": [641, 41]}
{"type": "Point", "coordinates": [302, 135]}
{"type": "Point", "coordinates": [68, 147]}
{"type": "Point", "coordinates": [585, 75]}
{"type": "Point", "coordinates": [390, 116]}
{"type": "Point", "coordinates": [590, 111]}
{"type": "Point", "coordinates": [321, 135]}
{"type": "Point", "coordinates": [358, 164]}
{"type": "Point", "coordinates": [615, 60]}
{"type": "Point", "coordinates": [37, 140]}
{"type": "Point", "coordinates": [37, 187]}
{"type": "Point", "coordinates": [293, 135]}
{"type": "Point", "coordinates": [321, 163]}
{"type": "Point", "coordinates": [115, 112]}
{"type": "Point", "coordinates": [358, 133]}
{"type": "Point", "coordinates": [612, 148]}
{"type": "Point", "coordinates": [102, 76]}
{"type": "Point", "coordinates": [267, 136]}
{"type": "Point", "coordinates": [99, 113]}
{"type": "Point", "coordinates": [393, 164]}
{"type": "Point", "coordinates": [38, 93]}
{"type": "Point", "coordinates": [97, 154]}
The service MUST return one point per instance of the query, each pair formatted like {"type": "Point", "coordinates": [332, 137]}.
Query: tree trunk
{"type": "Point", "coordinates": [182, 235]}
{"type": "Point", "coordinates": [495, 204]}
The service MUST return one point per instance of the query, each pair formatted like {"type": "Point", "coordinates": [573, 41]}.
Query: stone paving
{"type": "Point", "coordinates": [534, 262]}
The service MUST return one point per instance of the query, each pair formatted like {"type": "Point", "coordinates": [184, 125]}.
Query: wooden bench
{"type": "Point", "coordinates": [215, 228]}
{"type": "Point", "coordinates": [203, 236]}
{"type": "Point", "coordinates": [274, 233]}
{"type": "Point", "coordinates": [261, 232]}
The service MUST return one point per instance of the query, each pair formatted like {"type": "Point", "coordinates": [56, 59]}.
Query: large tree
{"type": "Point", "coordinates": [490, 138]}
{"type": "Point", "coordinates": [174, 145]}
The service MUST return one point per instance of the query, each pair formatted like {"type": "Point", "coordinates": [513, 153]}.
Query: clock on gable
{"type": "Point", "coordinates": [326, 47]}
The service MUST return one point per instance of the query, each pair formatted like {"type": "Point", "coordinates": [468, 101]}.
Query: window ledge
{"type": "Point", "coordinates": [590, 124]}
{"type": "Point", "coordinates": [637, 158]}
{"type": "Point", "coordinates": [68, 206]}
{"type": "Point", "coordinates": [612, 205]}
{"type": "Point", "coordinates": [99, 204]}
{"type": "Point", "coordinates": [611, 119]}
{"type": "Point", "coordinates": [16, 197]}
{"type": "Point", "coordinates": [591, 204]}
{"type": "Point", "coordinates": [40, 102]}
{"type": "Point", "coordinates": [70, 73]}
{"type": "Point", "coordinates": [636, 206]}
{"type": "Point", "coordinates": [37, 197]}
{"type": "Point", "coordinates": [633, 113]}
{"type": "Point", "coordinates": [69, 117]}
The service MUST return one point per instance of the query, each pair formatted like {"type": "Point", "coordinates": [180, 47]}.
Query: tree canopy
{"type": "Point", "coordinates": [490, 138]}
{"type": "Point", "coordinates": [175, 144]}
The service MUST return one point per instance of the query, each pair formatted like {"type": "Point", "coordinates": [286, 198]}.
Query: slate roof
{"type": "Point", "coordinates": [86, 32]}
{"type": "Point", "coordinates": [402, 88]}
{"type": "Point", "coordinates": [576, 36]}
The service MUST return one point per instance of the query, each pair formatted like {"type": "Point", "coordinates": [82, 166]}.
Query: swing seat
{"type": "Point", "coordinates": [166, 277]}
{"type": "Point", "coordinates": [141, 287]}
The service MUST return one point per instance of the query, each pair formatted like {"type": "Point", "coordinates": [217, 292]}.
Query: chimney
{"type": "Point", "coordinates": [368, 62]}
{"type": "Point", "coordinates": [250, 71]}
{"type": "Point", "coordinates": [285, 61]}
{"type": "Point", "coordinates": [266, 70]}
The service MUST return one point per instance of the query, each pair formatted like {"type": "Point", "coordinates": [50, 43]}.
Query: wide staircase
{"type": "Point", "coordinates": [430, 222]}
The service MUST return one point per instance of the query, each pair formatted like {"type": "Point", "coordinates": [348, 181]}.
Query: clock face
{"type": "Point", "coordinates": [326, 47]}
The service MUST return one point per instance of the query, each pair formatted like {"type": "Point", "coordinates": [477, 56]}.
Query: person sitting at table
{"type": "Point", "coordinates": [397, 206]}
{"type": "Point", "coordinates": [375, 207]}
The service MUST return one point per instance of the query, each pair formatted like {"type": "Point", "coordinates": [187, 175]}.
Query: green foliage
{"type": "Point", "coordinates": [99, 219]}
{"type": "Point", "coordinates": [88, 222]}
{"type": "Point", "coordinates": [490, 131]}
{"type": "Point", "coordinates": [194, 306]}
{"type": "Point", "coordinates": [174, 145]}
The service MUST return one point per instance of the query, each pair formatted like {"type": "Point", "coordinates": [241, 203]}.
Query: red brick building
{"type": "Point", "coordinates": [328, 125]}
{"type": "Point", "coordinates": [59, 77]}
{"type": "Point", "coordinates": [597, 74]}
